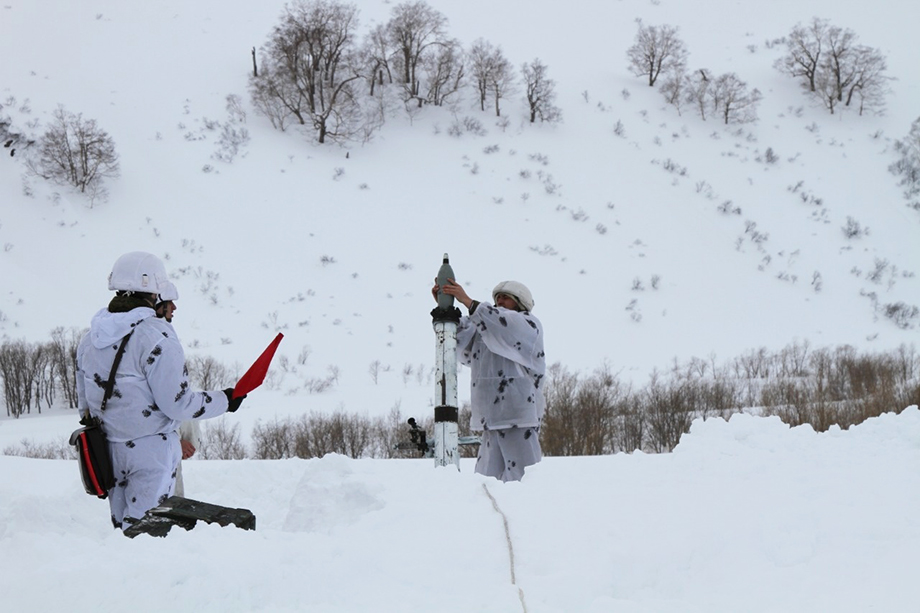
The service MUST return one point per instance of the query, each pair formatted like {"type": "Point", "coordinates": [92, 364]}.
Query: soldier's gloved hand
{"type": "Point", "coordinates": [233, 403]}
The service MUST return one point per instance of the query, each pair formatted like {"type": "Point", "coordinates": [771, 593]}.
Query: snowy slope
{"type": "Point", "coordinates": [747, 515]}
{"type": "Point", "coordinates": [246, 240]}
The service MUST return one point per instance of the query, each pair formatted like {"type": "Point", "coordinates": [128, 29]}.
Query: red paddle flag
{"type": "Point", "coordinates": [256, 373]}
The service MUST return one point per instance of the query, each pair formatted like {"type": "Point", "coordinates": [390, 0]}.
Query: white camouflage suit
{"type": "Point", "coordinates": [151, 397]}
{"type": "Point", "coordinates": [504, 350]}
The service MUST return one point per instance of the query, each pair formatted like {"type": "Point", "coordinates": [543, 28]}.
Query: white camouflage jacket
{"type": "Point", "coordinates": [504, 350]}
{"type": "Point", "coordinates": [152, 394]}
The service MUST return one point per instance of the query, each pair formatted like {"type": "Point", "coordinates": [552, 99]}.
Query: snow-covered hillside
{"type": "Point", "coordinates": [337, 247]}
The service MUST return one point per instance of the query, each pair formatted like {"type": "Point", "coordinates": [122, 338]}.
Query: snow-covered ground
{"type": "Point", "coordinates": [746, 515]}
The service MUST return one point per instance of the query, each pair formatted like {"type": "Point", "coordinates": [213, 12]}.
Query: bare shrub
{"type": "Point", "coordinates": [843, 387]}
{"type": "Point", "coordinates": [559, 434]}
{"type": "Point", "coordinates": [206, 373]}
{"type": "Point", "coordinates": [753, 365]}
{"type": "Point", "coordinates": [820, 387]}
{"type": "Point", "coordinates": [718, 397]}
{"type": "Point", "coordinates": [318, 385]}
{"type": "Point", "coordinates": [853, 229]}
{"type": "Point", "coordinates": [586, 415]}
{"type": "Point", "coordinates": [630, 423]}
{"type": "Point", "coordinates": [903, 315]}
{"type": "Point", "coordinates": [669, 408]}
{"type": "Point", "coordinates": [374, 370]}
{"type": "Point", "coordinates": [75, 151]}
{"type": "Point", "coordinates": [387, 432]}
{"type": "Point", "coordinates": [220, 441]}
{"type": "Point", "coordinates": [317, 434]}
{"type": "Point", "coordinates": [57, 450]}
{"type": "Point", "coordinates": [793, 359]}
{"type": "Point", "coordinates": [466, 125]}
{"type": "Point", "coordinates": [272, 441]}
{"type": "Point", "coordinates": [789, 399]}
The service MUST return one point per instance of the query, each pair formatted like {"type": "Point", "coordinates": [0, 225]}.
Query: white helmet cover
{"type": "Point", "coordinates": [518, 291]}
{"type": "Point", "coordinates": [168, 292]}
{"type": "Point", "coordinates": [138, 271]}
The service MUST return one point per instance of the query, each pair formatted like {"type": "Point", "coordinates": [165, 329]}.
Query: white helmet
{"type": "Point", "coordinates": [138, 271]}
{"type": "Point", "coordinates": [168, 292]}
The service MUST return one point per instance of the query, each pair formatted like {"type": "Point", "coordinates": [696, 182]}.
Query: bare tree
{"type": "Point", "coordinates": [804, 48]}
{"type": "Point", "coordinates": [75, 151]}
{"type": "Point", "coordinates": [869, 84]}
{"type": "Point", "coordinates": [482, 56]}
{"type": "Point", "coordinates": [64, 357]}
{"type": "Point", "coordinates": [377, 53]}
{"type": "Point", "coordinates": [501, 80]}
{"type": "Point", "coordinates": [834, 68]}
{"type": "Point", "coordinates": [309, 67]}
{"type": "Point", "coordinates": [492, 73]}
{"type": "Point", "coordinates": [826, 90]}
{"type": "Point", "coordinates": [413, 29]}
{"type": "Point", "coordinates": [444, 70]}
{"type": "Point", "coordinates": [697, 87]}
{"type": "Point", "coordinates": [656, 51]}
{"type": "Point", "coordinates": [42, 368]}
{"type": "Point", "coordinates": [733, 101]}
{"type": "Point", "coordinates": [840, 45]}
{"type": "Point", "coordinates": [726, 96]}
{"type": "Point", "coordinates": [18, 376]}
{"type": "Point", "coordinates": [276, 95]}
{"type": "Point", "coordinates": [540, 92]}
{"type": "Point", "coordinates": [676, 89]}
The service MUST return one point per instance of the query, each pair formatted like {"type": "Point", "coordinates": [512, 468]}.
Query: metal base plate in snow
{"type": "Point", "coordinates": [185, 512]}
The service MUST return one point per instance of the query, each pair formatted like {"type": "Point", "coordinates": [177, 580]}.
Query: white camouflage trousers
{"type": "Point", "coordinates": [145, 475]}
{"type": "Point", "coordinates": [505, 453]}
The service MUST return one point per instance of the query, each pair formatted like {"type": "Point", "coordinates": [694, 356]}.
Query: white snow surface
{"type": "Point", "coordinates": [748, 515]}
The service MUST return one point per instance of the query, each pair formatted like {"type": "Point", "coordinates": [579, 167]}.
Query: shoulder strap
{"type": "Point", "coordinates": [110, 385]}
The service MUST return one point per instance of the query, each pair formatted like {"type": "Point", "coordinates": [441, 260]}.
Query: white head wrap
{"type": "Point", "coordinates": [516, 290]}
